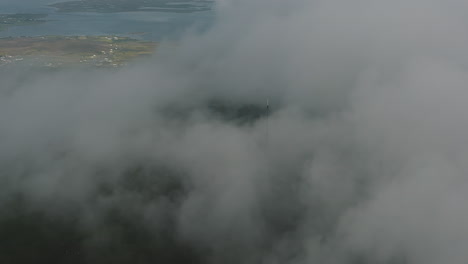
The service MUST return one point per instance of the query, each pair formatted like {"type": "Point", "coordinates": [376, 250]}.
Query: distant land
{"type": "Point", "coordinates": [9, 20]}
{"type": "Point", "coordinates": [63, 51]}
{"type": "Point", "coordinates": [112, 6]}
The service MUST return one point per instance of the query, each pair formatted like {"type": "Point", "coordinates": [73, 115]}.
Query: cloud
{"type": "Point", "coordinates": [360, 158]}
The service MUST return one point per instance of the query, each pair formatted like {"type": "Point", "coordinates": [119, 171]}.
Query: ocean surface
{"type": "Point", "coordinates": [141, 25]}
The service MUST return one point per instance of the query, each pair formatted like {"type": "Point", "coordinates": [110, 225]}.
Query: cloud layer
{"type": "Point", "coordinates": [361, 157]}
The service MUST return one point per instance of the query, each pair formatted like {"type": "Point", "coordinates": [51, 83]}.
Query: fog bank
{"type": "Point", "coordinates": [360, 158]}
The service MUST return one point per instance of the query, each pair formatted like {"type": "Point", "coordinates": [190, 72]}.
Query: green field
{"type": "Point", "coordinates": [56, 51]}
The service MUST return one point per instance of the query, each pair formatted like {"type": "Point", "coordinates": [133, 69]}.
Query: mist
{"type": "Point", "coordinates": [359, 157]}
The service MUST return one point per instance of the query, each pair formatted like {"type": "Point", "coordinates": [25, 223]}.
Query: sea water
{"type": "Point", "coordinates": [138, 24]}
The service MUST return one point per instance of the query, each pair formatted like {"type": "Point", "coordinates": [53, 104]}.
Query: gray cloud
{"type": "Point", "coordinates": [361, 159]}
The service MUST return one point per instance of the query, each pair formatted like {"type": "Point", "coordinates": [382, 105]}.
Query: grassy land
{"type": "Point", "coordinates": [101, 51]}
